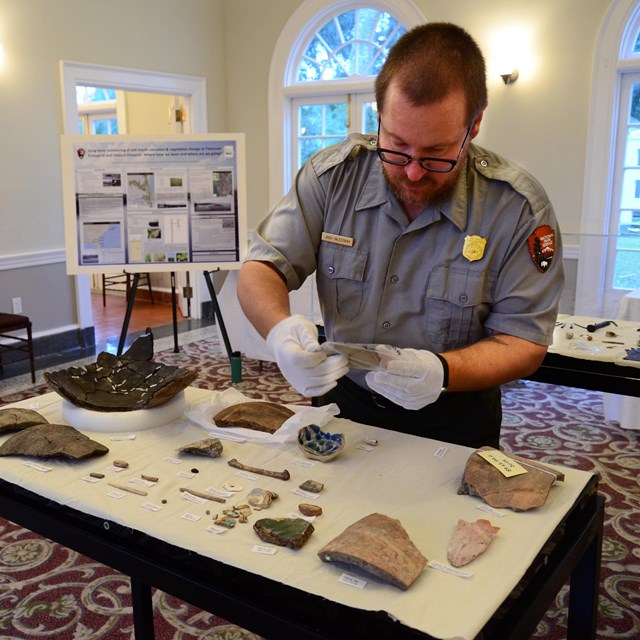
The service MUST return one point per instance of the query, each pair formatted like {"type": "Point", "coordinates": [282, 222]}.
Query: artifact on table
{"type": "Point", "coordinates": [128, 382]}
{"type": "Point", "coordinates": [520, 493]}
{"type": "Point", "coordinates": [284, 532]}
{"type": "Point", "coordinates": [257, 415]}
{"type": "Point", "coordinates": [469, 540]}
{"type": "Point", "coordinates": [320, 445]}
{"type": "Point", "coordinates": [211, 447]}
{"type": "Point", "coordinates": [379, 545]}
{"type": "Point", "coordinates": [52, 441]}
{"type": "Point", "coordinates": [310, 510]}
{"type": "Point", "coordinates": [17, 419]}
{"type": "Point", "coordinates": [281, 475]}
{"type": "Point", "coordinates": [312, 486]}
{"type": "Point", "coordinates": [261, 498]}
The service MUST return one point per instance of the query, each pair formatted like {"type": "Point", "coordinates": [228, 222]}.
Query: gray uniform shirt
{"type": "Point", "coordinates": [412, 284]}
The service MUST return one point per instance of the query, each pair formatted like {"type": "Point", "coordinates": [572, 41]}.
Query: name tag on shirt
{"type": "Point", "coordinates": [336, 239]}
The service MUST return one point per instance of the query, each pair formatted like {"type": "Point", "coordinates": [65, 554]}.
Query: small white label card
{"type": "Point", "coordinates": [507, 467]}
{"type": "Point", "coordinates": [172, 460]}
{"type": "Point", "coordinates": [260, 548]}
{"type": "Point", "coordinates": [305, 494]}
{"type": "Point", "coordinates": [151, 507]}
{"type": "Point", "coordinates": [447, 569]}
{"type": "Point", "coordinates": [492, 510]}
{"type": "Point", "coordinates": [303, 463]}
{"type": "Point", "coordinates": [189, 496]}
{"type": "Point", "coordinates": [35, 465]}
{"type": "Point", "coordinates": [441, 452]}
{"type": "Point", "coordinates": [352, 581]}
{"type": "Point", "coordinates": [123, 438]}
{"type": "Point", "coordinates": [192, 517]}
{"type": "Point", "coordinates": [246, 475]}
{"type": "Point", "coordinates": [214, 528]}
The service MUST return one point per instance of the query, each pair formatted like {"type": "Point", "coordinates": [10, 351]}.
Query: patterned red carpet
{"type": "Point", "coordinates": [49, 591]}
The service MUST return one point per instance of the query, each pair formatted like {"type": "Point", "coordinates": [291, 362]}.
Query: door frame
{"type": "Point", "coordinates": [191, 87]}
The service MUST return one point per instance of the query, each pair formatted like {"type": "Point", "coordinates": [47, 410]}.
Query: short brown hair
{"type": "Point", "coordinates": [432, 60]}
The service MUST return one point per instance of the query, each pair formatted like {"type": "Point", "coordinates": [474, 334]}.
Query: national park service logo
{"type": "Point", "coordinates": [542, 247]}
{"type": "Point", "coordinates": [473, 248]}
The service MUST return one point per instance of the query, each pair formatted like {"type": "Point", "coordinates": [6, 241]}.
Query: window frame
{"type": "Point", "coordinates": [283, 89]}
{"type": "Point", "coordinates": [616, 40]}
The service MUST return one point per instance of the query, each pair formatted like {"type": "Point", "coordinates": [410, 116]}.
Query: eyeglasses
{"type": "Point", "coordinates": [437, 165]}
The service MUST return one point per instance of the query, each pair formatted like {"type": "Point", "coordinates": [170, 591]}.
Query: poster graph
{"type": "Point", "coordinates": [145, 204]}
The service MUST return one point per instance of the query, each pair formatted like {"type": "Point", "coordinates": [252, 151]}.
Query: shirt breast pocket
{"type": "Point", "coordinates": [458, 302]}
{"type": "Point", "coordinates": [341, 279]}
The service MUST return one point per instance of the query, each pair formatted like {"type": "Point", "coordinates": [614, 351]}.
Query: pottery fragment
{"type": "Point", "coordinates": [311, 510]}
{"type": "Point", "coordinates": [469, 540]}
{"type": "Point", "coordinates": [257, 415]}
{"type": "Point", "coordinates": [313, 486]}
{"type": "Point", "coordinates": [379, 545]}
{"type": "Point", "coordinates": [520, 493]}
{"type": "Point", "coordinates": [128, 382]}
{"type": "Point", "coordinates": [261, 498]}
{"type": "Point", "coordinates": [284, 532]}
{"type": "Point", "coordinates": [52, 441]}
{"type": "Point", "coordinates": [211, 447]}
{"type": "Point", "coordinates": [17, 419]}
{"type": "Point", "coordinates": [320, 445]}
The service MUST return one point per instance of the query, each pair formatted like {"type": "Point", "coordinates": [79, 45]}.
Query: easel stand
{"type": "Point", "coordinates": [235, 357]}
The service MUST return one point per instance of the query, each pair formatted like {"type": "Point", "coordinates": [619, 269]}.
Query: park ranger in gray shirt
{"type": "Point", "coordinates": [444, 254]}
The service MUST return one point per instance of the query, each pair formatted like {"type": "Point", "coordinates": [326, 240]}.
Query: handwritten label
{"type": "Point", "coordinates": [441, 452]}
{"type": "Point", "coordinates": [305, 494]}
{"type": "Point", "coordinates": [352, 581]}
{"type": "Point", "coordinates": [507, 467]}
{"type": "Point", "coordinates": [36, 466]}
{"type": "Point", "coordinates": [192, 517]}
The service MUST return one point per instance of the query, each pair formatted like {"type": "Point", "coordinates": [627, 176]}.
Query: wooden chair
{"type": "Point", "coordinates": [124, 278]}
{"type": "Point", "coordinates": [10, 322]}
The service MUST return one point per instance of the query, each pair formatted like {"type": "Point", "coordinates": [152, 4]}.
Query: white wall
{"type": "Point", "coordinates": [540, 121]}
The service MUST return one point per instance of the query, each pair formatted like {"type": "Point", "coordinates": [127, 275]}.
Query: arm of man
{"type": "Point", "coordinates": [264, 298]}
{"type": "Point", "coordinates": [263, 295]}
{"type": "Point", "coordinates": [414, 378]}
{"type": "Point", "coordinates": [491, 362]}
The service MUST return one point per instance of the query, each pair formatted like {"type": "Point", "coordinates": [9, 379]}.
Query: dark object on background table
{"type": "Point", "coordinates": [52, 441]}
{"type": "Point", "coordinates": [600, 325]}
{"type": "Point", "coordinates": [128, 382]}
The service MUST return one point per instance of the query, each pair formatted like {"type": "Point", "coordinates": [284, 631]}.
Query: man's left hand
{"type": "Point", "coordinates": [412, 378]}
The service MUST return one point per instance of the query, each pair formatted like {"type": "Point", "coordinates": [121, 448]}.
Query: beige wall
{"type": "Point", "coordinates": [540, 121]}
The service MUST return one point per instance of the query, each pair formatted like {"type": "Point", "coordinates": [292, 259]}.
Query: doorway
{"type": "Point", "coordinates": [160, 94]}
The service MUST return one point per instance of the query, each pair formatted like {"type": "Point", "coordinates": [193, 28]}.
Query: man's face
{"type": "Point", "coordinates": [435, 130]}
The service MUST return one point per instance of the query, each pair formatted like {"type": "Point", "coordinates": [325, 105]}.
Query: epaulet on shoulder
{"type": "Point", "coordinates": [346, 151]}
{"type": "Point", "coordinates": [495, 167]}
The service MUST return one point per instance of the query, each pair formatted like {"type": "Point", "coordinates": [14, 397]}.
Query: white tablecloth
{"type": "Point", "coordinates": [414, 480]}
{"type": "Point", "coordinates": [623, 409]}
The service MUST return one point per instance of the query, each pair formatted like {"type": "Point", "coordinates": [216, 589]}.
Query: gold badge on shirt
{"type": "Point", "coordinates": [473, 247]}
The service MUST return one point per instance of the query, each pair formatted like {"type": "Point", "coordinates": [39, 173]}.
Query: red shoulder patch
{"type": "Point", "coordinates": [542, 247]}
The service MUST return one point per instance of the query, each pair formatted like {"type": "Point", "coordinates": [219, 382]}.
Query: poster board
{"type": "Point", "coordinates": [154, 204]}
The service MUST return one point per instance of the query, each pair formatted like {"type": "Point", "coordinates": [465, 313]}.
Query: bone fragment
{"type": "Point", "coordinates": [124, 487]}
{"type": "Point", "coordinates": [202, 494]}
{"type": "Point", "coordinates": [281, 475]}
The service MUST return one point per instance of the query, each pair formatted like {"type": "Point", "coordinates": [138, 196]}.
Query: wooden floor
{"type": "Point", "coordinates": [108, 320]}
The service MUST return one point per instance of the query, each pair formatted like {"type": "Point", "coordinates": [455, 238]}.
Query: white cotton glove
{"type": "Point", "coordinates": [309, 370]}
{"type": "Point", "coordinates": [412, 378]}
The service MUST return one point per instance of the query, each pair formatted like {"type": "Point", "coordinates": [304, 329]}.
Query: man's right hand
{"type": "Point", "coordinates": [308, 369]}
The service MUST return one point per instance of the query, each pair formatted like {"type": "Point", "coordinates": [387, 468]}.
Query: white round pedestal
{"type": "Point", "coordinates": [116, 421]}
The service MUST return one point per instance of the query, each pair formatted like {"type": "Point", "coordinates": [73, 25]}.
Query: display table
{"type": "Point", "coordinates": [164, 539]}
{"type": "Point", "coordinates": [625, 411]}
{"type": "Point", "coordinates": [592, 360]}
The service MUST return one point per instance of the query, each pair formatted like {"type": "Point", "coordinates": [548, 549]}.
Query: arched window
{"type": "Point", "coordinates": [610, 239]}
{"type": "Point", "coordinates": [322, 75]}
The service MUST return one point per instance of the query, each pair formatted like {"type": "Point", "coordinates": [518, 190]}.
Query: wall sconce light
{"type": "Point", "coordinates": [510, 78]}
